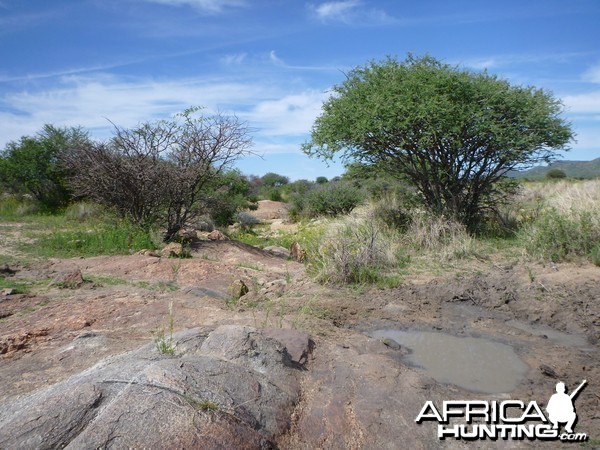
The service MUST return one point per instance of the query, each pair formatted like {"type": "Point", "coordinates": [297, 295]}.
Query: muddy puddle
{"type": "Point", "coordinates": [558, 337]}
{"type": "Point", "coordinates": [474, 364]}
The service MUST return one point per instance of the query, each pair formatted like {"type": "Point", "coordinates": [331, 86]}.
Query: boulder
{"type": "Point", "coordinates": [69, 280]}
{"type": "Point", "coordinates": [236, 388]}
{"type": "Point", "coordinates": [172, 250]}
{"type": "Point", "coordinates": [187, 235]}
{"type": "Point", "coordinates": [216, 235]}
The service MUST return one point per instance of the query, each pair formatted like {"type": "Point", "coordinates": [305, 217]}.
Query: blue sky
{"type": "Point", "coordinates": [272, 62]}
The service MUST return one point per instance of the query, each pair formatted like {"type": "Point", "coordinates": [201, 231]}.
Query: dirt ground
{"type": "Point", "coordinates": [549, 315]}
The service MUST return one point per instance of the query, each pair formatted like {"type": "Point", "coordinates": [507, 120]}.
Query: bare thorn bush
{"type": "Point", "coordinates": [159, 172]}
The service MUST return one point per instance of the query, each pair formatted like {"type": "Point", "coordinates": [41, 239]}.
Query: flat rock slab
{"type": "Point", "coordinates": [233, 388]}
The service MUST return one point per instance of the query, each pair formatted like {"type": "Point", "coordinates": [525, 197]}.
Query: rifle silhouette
{"type": "Point", "coordinates": [576, 391]}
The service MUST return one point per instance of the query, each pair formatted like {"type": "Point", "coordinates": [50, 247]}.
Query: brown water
{"type": "Point", "coordinates": [558, 337]}
{"type": "Point", "coordinates": [475, 364]}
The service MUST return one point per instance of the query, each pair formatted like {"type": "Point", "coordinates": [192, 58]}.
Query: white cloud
{"type": "Point", "coordinates": [90, 101]}
{"type": "Point", "coordinates": [206, 6]}
{"type": "Point", "coordinates": [509, 60]}
{"type": "Point", "coordinates": [291, 115]}
{"type": "Point", "coordinates": [583, 104]}
{"type": "Point", "coordinates": [336, 11]}
{"type": "Point", "coordinates": [349, 12]}
{"type": "Point", "coordinates": [592, 74]}
{"type": "Point", "coordinates": [234, 59]}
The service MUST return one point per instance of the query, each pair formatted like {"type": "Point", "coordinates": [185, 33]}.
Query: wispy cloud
{"type": "Point", "coordinates": [206, 6]}
{"type": "Point", "coordinates": [277, 61]}
{"type": "Point", "coordinates": [234, 59]}
{"type": "Point", "coordinates": [586, 104]}
{"type": "Point", "coordinates": [508, 60]}
{"type": "Point", "coordinates": [592, 75]}
{"type": "Point", "coordinates": [349, 12]}
{"type": "Point", "coordinates": [13, 22]}
{"type": "Point", "coordinates": [291, 115]}
{"type": "Point", "coordinates": [280, 117]}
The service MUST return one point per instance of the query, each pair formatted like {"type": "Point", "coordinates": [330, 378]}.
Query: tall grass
{"type": "Point", "coordinates": [358, 249]}
{"type": "Point", "coordinates": [103, 239]}
{"type": "Point", "coordinates": [567, 225]}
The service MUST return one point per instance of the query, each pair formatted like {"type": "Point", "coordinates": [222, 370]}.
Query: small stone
{"type": "Point", "coordinates": [238, 289]}
{"type": "Point", "coordinates": [173, 249]}
{"type": "Point", "coordinates": [297, 252]}
{"type": "Point", "coordinates": [216, 235]}
{"type": "Point", "coordinates": [548, 371]}
{"type": "Point", "coordinates": [388, 342]}
{"type": "Point", "coordinates": [69, 280]}
{"type": "Point", "coordinates": [7, 291]}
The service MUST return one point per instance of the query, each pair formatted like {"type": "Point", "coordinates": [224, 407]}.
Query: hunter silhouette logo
{"type": "Point", "coordinates": [560, 407]}
{"type": "Point", "coordinates": [508, 419]}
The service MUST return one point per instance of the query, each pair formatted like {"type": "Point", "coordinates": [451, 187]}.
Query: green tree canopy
{"type": "Point", "coordinates": [555, 174]}
{"type": "Point", "coordinates": [453, 133]}
{"type": "Point", "coordinates": [274, 180]}
{"type": "Point", "coordinates": [34, 165]}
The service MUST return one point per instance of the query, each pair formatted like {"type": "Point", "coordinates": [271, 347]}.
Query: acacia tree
{"type": "Point", "coordinates": [160, 172]}
{"type": "Point", "coordinates": [453, 133]}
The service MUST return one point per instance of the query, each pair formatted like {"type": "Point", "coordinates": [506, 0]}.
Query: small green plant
{"type": "Point", "coordinates": [165, 344]}
{"type": "Point", "coordinates": [203, 405]}
{"type": "Point", "coordinates": [531, 274]}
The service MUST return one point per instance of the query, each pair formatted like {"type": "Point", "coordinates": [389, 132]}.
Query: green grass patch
{"type": "Point", "coordinates": [23, 285]}
{"type": "Point", "coordinates": [106, 281]}
{"type": "Point", "coordinates": [19, 286]}
{"type": "Point", "coordinates": [161, 286]}
{"type": "Point", "coordinates": [560, 237]}
{"type": "Point", "coordinates": [103, 239]}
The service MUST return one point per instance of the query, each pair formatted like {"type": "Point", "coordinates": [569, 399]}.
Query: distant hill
{"type": "Point", "coordinates": [573, 169]}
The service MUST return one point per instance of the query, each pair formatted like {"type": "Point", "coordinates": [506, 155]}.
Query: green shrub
{"type": "Point", "coordinates": [330, 199]}
{"type": "Point", "coordinates": [555, 174]}
{"type": "Point", "coordinates": [390, 210]}
{"type": "Point", "coordinates": [246, 220]}
{"type": "Point", "coordinates": [559, 237]}
{"type": "Point", "coordinates": [16, 206]}
{"type": "Point", "coordinates": [275, 195]}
